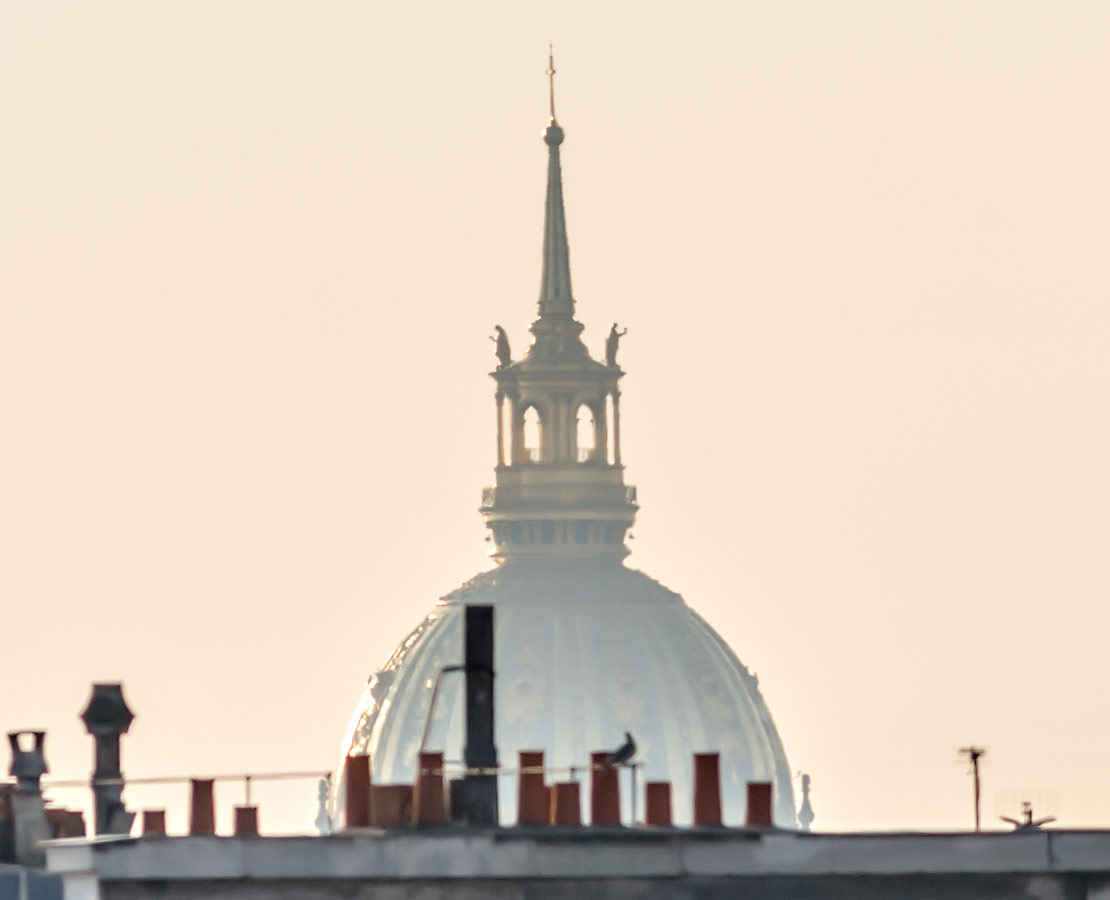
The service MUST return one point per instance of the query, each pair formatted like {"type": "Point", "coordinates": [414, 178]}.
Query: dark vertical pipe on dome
{"type": "Point", "coordinates": [480, 752]}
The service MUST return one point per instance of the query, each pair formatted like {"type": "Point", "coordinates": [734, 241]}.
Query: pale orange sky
{"type": "Point", "coordinates": [250, 253]}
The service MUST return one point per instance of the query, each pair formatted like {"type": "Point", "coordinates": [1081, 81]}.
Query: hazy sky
{"type": "Point", "coordinates": [250, 253]}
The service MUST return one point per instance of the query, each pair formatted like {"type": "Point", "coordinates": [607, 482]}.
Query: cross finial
{"type": "Point", "coordinates": [551, 77]}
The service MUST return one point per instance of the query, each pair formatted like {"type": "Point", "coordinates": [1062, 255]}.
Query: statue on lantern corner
{"type": "Point", "coordinates": [501, 341]}
{"type": "Point", "coordinates": [612, 343]}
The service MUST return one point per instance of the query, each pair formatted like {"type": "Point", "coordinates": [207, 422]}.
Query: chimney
{"type": "Point", "coordinates": [480, 751]}
{"type": "Point", "coordinates": [28, 815]}
{"type": "Point", "coordinates": [246, 821]}
{"type": "Point", "coordinates": [707, 789]}
{"type": "Point", "coordinates": [531, 792]}
{"type": "Point", "coordinates": [154, 823]}
{"type": "Point", "coordinates": [202, 810]}
{"type": "Point", "coordinates": [107, 717]}
{"type": "Point", "coordinates": [391, 805]}
{"type": "Point", "coordinates": [427, 806]}
{"type": "Point", "coordinates": [759, 805]}
{"type": "Point", "coordinates": [357, 783]}
{"type": "Point", "coordinates": [658, 801]}
{"type": "Point", "coordinates": [566, 803]}
{"type": "Point", "coordinates": [605, 798]}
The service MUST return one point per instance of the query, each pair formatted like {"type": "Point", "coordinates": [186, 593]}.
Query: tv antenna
{"type": "Point", "coordinates": [974, 754]}
{"type": "Point", "coordinates": [1028, 823]}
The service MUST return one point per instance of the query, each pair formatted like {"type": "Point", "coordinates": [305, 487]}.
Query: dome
{"type": "Point", "coordinates": [585, 648]}
{"type": "Point", "coordinates": [584, 651]}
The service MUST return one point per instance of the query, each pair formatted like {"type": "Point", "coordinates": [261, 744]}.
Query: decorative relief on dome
{"type": "Point", "coordinates": [624, 691]}
{"type": "Point", "coordinates": [370, 704]}
{"type": "Point", "coordinates": [715, 703]}
{"type": "Point", "coordinates": [441, 647]}
{"type": "Point", "coordinates": [525, 696]}
{"type": "Point", "coordinates": [405, 647]}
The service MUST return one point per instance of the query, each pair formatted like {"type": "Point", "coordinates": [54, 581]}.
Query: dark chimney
{"type": "Point", "coordinates": [28, 816]}
{"type": "Point", "coordinates": [480, 752]}
{"type": "Point", "coordinates": [107, 717]}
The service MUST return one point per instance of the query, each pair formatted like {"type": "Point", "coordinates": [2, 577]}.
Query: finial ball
{"type": "Point", "coordinates": [553, 134]}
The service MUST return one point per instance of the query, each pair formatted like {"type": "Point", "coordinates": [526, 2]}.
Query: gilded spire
{"type": "Point", "coordinates": [555, 294]}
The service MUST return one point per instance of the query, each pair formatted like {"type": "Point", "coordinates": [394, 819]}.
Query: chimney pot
{"type": "Point", "coordinates": [28, 816]}
{"type": "Point", "coordinates": [202, 814]}
{"type": "Point", "coordinates": [566, 803]}
{"type": "Point", "coordinates": [154, 823]}
{"type": "Point", "coordinates": [429, 810]}
{"type": "Point", "coordinates": [391, 805]}
{"type": "Point", "coordinates": [357, 780]}
{"type": "Point", "coordinates": [658, 800]}
{"type": "Point", "coordinates": [246, 821]}
{"type": "Point", "coordinates": [532, 804]}
{"type": "Point", "coordinates": [107, 712]}
{"type": "Point", "coordinates": [605, 799]}
{"type": "Point", "coordinates": [28, 765]}
{"type": "Point", "coordinates": [759, 805]}
{"type": "Point", "coordinates": [707, 789]}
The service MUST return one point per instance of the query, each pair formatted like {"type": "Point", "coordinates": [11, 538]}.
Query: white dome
{"type": "Point", "coordinates": [584, 651]}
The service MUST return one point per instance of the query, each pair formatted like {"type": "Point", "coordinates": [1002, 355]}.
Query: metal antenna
{"type": "Point", "coordinates": [551, 77]}
{"type": "Point", "coordinates": [973, 754]}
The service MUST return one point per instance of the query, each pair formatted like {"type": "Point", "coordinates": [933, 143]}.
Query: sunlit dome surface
{"type": "Point", "coordinates": [584, 652]}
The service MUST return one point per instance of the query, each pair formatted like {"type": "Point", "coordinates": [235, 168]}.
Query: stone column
{"type": "Point", "coordinates": [616, 428]}
{"type": "Point", "coordinates": [570, 429]}
{"type": "Point", "coordinates": [601, 432]}
{"type": "Point", "coordinates": [517, 418]}
{"type": "Point", "coordinates": [500, 429]}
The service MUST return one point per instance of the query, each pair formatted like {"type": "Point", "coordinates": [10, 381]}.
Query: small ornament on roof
{"type": "Point", "coordinates": [1028, 823]}
{"type": "Point", "coordinates": [805, 811]}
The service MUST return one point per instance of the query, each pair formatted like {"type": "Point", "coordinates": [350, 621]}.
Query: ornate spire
{"type": "Point", "coordinates": [559, 492]}
{"type": "Point", "coordinates": [555, 295]}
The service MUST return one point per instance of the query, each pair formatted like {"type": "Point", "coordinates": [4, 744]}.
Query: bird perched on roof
{"type": "Point", "coordinates": [623, 753]}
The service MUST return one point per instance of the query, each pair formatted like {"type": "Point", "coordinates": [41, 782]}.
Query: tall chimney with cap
{"type": "Point", "coordinates": [107, 717]}
{"type": "Point", "coordinates": [480, 752]}
{"type": "Point", "coordinates": [28, 815]}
